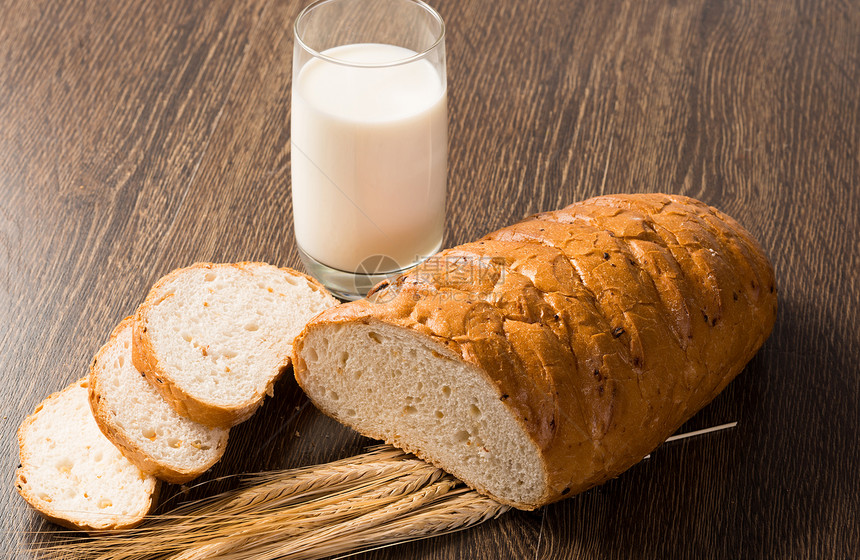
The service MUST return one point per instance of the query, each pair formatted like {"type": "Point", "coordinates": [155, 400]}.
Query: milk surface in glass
{"type": "Point", "coordinates": [369, 151]}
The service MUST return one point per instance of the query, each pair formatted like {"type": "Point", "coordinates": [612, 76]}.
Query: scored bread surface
{"type": "Point", "coordinates": [132, 414]}
{"type": "Point", "coordinates": [72, 474]}
{"type": "Point", "coordinates": [214, 338]}
{"type": "Point", "coordinates": [595, 332]}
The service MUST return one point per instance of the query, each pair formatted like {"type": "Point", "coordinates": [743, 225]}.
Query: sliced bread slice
{"type": "Point", "coordinates": [213, 338]}
{"type": "Point", "coordinates": [146, 429]}
{"type": "Point", "coordinates": [72, 474]}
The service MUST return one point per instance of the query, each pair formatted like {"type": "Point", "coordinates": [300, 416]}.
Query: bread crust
{"type": "Point", "coordinates": [127, 446]}
{"type": "Point", "coordinates": [145, 358]}
{"type": "Point", "coordinates": [607, 324]}
{"type": "Point", "coordinates": [63, 518]}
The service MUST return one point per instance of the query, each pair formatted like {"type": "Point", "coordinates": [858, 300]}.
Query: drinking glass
{"type": "Point", "coordinates": [369, 139]}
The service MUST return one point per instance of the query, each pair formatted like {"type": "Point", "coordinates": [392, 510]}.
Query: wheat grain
{"type": "Point", "coordinates": [375, 499]}
{"type": "Point", "coordinates": [342, 533]}
{"type": "Point", "coordinates": [280, 489]}
{"type": "Point", "coordinates": [457, 514]}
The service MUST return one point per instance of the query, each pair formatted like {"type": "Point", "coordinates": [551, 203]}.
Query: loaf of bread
{"type": "Point", "coordinates": [553, 354]}
{"type": "Point", "coordinates": [147, 430]}
{"type": "Point", "coordinates": [213, 338]}
{"type": "Point", "coordinates": [72, 474]}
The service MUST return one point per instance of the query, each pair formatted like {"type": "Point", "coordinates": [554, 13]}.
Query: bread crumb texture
{"type": "Point", "coordinates": [135, 417]}
{"type": "Point", "coordinates": [72, 473]}
{"type": "Point", "coordinates": [219, 334]}
{"type": "Point", "coordinates": [397, 386]}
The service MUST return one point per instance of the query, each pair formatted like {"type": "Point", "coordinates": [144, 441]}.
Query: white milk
{"type": "Point", "coordinates": [369, 157]}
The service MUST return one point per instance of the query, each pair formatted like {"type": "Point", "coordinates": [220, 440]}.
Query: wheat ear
{"type": "Point", "coordinates": [375, 499]}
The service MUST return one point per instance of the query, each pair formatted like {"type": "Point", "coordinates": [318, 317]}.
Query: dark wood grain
{"type": "Point", "coordinates": [140, 136]}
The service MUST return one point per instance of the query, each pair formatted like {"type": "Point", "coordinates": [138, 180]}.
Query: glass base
{"type": "Point", "coordinates": [350, 286]}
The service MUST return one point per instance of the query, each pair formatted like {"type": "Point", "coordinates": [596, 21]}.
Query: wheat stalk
{"type": "Point", "coordinates": [375, 499]}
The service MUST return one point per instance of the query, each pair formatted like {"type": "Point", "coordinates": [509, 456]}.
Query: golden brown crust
{"type": "Point", "coordinates": [625, 313]}
{"type": "Point", "coordinates": [681, 286]}
{"type": "Point", "coordinates": [146, 361]}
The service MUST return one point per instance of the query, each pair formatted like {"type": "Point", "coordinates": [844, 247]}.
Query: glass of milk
{"type": "Point", "coordinates": [369, 139]}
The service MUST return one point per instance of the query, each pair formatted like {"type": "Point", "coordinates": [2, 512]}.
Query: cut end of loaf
{"type": "Point", "coordinates": [389, 383]}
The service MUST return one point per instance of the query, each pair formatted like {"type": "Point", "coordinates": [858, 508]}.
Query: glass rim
{"type": "Point", "coordinates": [334, 60]}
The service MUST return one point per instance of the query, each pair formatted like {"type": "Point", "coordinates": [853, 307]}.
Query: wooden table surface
{"type": "Point", "coordinates": [140, 136]}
